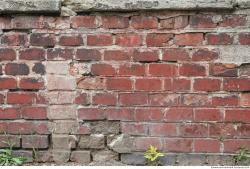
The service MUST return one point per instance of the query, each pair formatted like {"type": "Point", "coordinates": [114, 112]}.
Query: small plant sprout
{"type": "Point", "coordinates": [152, 156]}
{"type": "Point", "coordinates": [242, 157]}
{"type": "Point", "coordinates": [7, 158]}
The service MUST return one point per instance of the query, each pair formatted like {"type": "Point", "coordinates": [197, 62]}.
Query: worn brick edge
{"type": "Point", "coordinates": [76, 6]}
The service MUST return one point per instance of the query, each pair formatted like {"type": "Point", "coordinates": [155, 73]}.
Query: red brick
{"type": "Point", "coordinates": [39, 113]}
{"type": "Point", "coordinates": [245, 99]}
{"type": "Point", "coordinates": [189, 39]}
{"type": "Point", "coordinates": [206, 146]}
{"type": "Point", "coordinates": [223, 70]}
{"type": "Point", "coordinates": [145, 56]}
{"type": "Point", "coordinates": [236, 84]}
{"type": "Point", "coordinates": [219, 39]}
{"type": "Point", "coordinates": [143, 143]}
{"type": "Point", "coordinates": [151, 114]}
{"type": "Point", "coordinates": [128, 40]}
{"type": "Point", "coordinates": [131, 70]}
{"type": "Point", "coordinates": [226, 130]}
{"type": "Point", "coordinates": [14, 39]}
{"type": "Point", "coordinates": [3, 127]}
{"type": "Point", "coordinates": [244, 38]}
{"type": "Point", "coordinates": [82, 99]}
{"type": "Point", "coordinates": [119, 84]}
{"type": "Point", "coordinates": [134, 129]}
{"type": "Point", "coordinates": [42, 128]}
{"type": "Point", "coordinates": [208, 115]}
{"type": "Point", "coordinates": [2, 98]}
{"type": "Point", "coordinates": [226, 100]}
{"type": "Point", "coordinates": [244, 70]}
{"type": "Point", "coordinates": [233, 21]}
{"type": "Point", "coordinates": [144, 22]}
{"type": "Point", "coordinates": [175, 22]}
{"type": "Point", "coordinates": [116, 55]}
{"type": "Point", "coordinates": [123, 114]}
{"type": "Point", "coordinates": [42, 39]}
{"type": "Point", "coordinates": [103, 70]}
{"type": "Point", "coordinates": [7, 54]}
{"type": "Point", "coordinates": [8, 83]}
{"type": "Point", "coordinates": [209, 85]}
{"type": "Point", "coordinates": [91, 114]}
{"type": "Point", "coordinates": [244, 130]}
{"type": "Point", "coordinates": [232, 146]}
{"type": "Point", "coordinates": [35, 141]}
{"type": "Point", "coordinates": [100, 40]}
{"type": "Point", "coordinates": [88, 54]}
{"type": "Point", "coordinates": [158, 39]}
{"type": "Point", "coordinates": [204, 55]}
{"type": "Point", "coordinates": [178, 145]}
{"type": "Point", "coordinates": [194, 130]}
{"type": "Point", "coordinates": [32, 54]}
{"type": "Point", "coordinates": [175, 54]}
{"type": "Point", "coordinates": [72, 40]}
{"type": "Point", "coordinates": [21, 98]}
{"type": "Point", "coordinates": [132, 99]}
{"type": "Point", "coordinates": [164, 99]}
{"type": "Point", "coordinates": [189, 69]}
{"type": "Point", "coordinates": [237, 115]}
{"type": "Point", "coordinates": [166, 70]}
{"type": "Point", "coordinates": [1, 70]}
{"type": "Point", "coordinates": [107, 99]}
{"type": "Point", "coordinates": [202, 21]}
{"type": "Point", "coordinates": [20, 128]}
{"type": "Point", "coordinates": [16, 69]}
{"type": "Point", "coordinates": [180, 85]}
{"type": "Point", "coordinates": [31, 83]}
{"type": "Point", "coordinates": [146, 84]}
{"type": "Point", "coordinates": [9, 113]}
{"type": "Point", "coordinates": [59, 54]}
{"type": "Point", "coordinates": [196, 100]}
{"type": "Point", "coordinates": [178, 114]}
{"type": "Point", "coordinates": [162, 129]}
{"type": "Point", "coordinates": [83, 22]}
{"type": "Point", "coordinates": [115, 22]}
{"type": "Point", "coordinates": [39, 68]}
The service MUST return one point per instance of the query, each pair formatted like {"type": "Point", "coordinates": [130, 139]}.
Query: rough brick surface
{"type": "Point", "coordinates": [74, 87]}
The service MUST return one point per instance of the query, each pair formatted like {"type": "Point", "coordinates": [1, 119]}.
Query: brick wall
{"type": "Point", "coordinates": [105, 86]}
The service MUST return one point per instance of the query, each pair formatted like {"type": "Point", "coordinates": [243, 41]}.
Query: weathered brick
{"type": "Point", "coordinates": [119, 84]}
{"type": "Point", "coordinates": [88, 54]}
{"type": "Point", "coordinates": [206, 146]}
{"type": "Point", "coordinates": [102, 69]}
{"type": "Point", "coordinates": [39, 68]}
{"type": "Point", "coordinates": [14, 39]}
{"type": "Point", "coordinates": [62, 112]}
{"type": "Point", "coordinates": [143, 143]}
{"type": "Point", "coordinates": [56, 82]}
{"type": "Point", "coordinates": [34, 113]}
{"type": "Point", "coordinates": [82, 157]}
{"type": "Point", "coordinates": [128, 40]}
{"type": "Point", "coordinates": [190, 69]}
{"type": "Point", "coordinates": [100, 40]}
{"type": "Point", "coordinates": [233, 21]}
{"type": "Point", "coordinates": [31, 83]}
{"type": "Point", "coordinates": [164, 99]}
{"type": "Point", "coordinates": [134, 128]}
{"type": "Point", "coordinates": [71, 40]}
{"type": "Point", "coordinates": [236, 84]}
{"type": "Point", "coordinates": [178, 114]}
{"type": "Point", "coordinates": [91, 114]}
{"type": "Point", "coordinates": [15, 140]}
{"type": "Point", "coordinates": [162, 129]}
{"type": "Point", "coordinates": [144, 22]}
{"type": "Point", "coordinates": [145, 56]}
{"type": "Point", "coordinates": [150, 114]}
{"type": "Point", "coordinates": [16, 69]}
{"type": "Point", "coordinates": [237, 115]}
{"type": "Point", "coordinates": [35, 141]}
{"type": "Point", "coordinates": [95, 141]}
{"type": "Point", "coordinates": [132, 99]}
{"type": "Point", "coordinates": [32, 54]}
{"type": "Point", "coordinates": [107, 99]}
{"type": "Point", "coordinates": [7, 54]}
{"type": "Point", "coordinates": [148, 84]}
{"type": "Point", "coordinates": [115, 22]}
{"type": "Point", "coordinates": [208, 115]}
{"type": "Point", "coordinates": [42, 39]}
{"type": "Point", "coordinates": [116, 55]}
{"type": "Point", "coordinates": [202, 21]}
{"type": "Point", "coordinates": [204, 55]}
{"type": "Point", "coordinates": [131, 70]}
{"type": "Point", "coordinates": [158, 40]}
{"type": "Point", "coordinates": [223, 70]}
{"type": "Point", "coordinates": [59, 54]}
{"type": "Point", "coordinates": [83, 22]}
{"type": "Point", "coordinates": [189, 39]}
{"type": "Point", "coordinates": [178, 144]}
{"type": "Point", "coordinates": [219, 39]}
{"type": "Point", "coordinates": [123, 114]}
{"type": "Point", "coordinates": [175, 54]}
{"type": "Point", "coordinates": [194, 130]}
